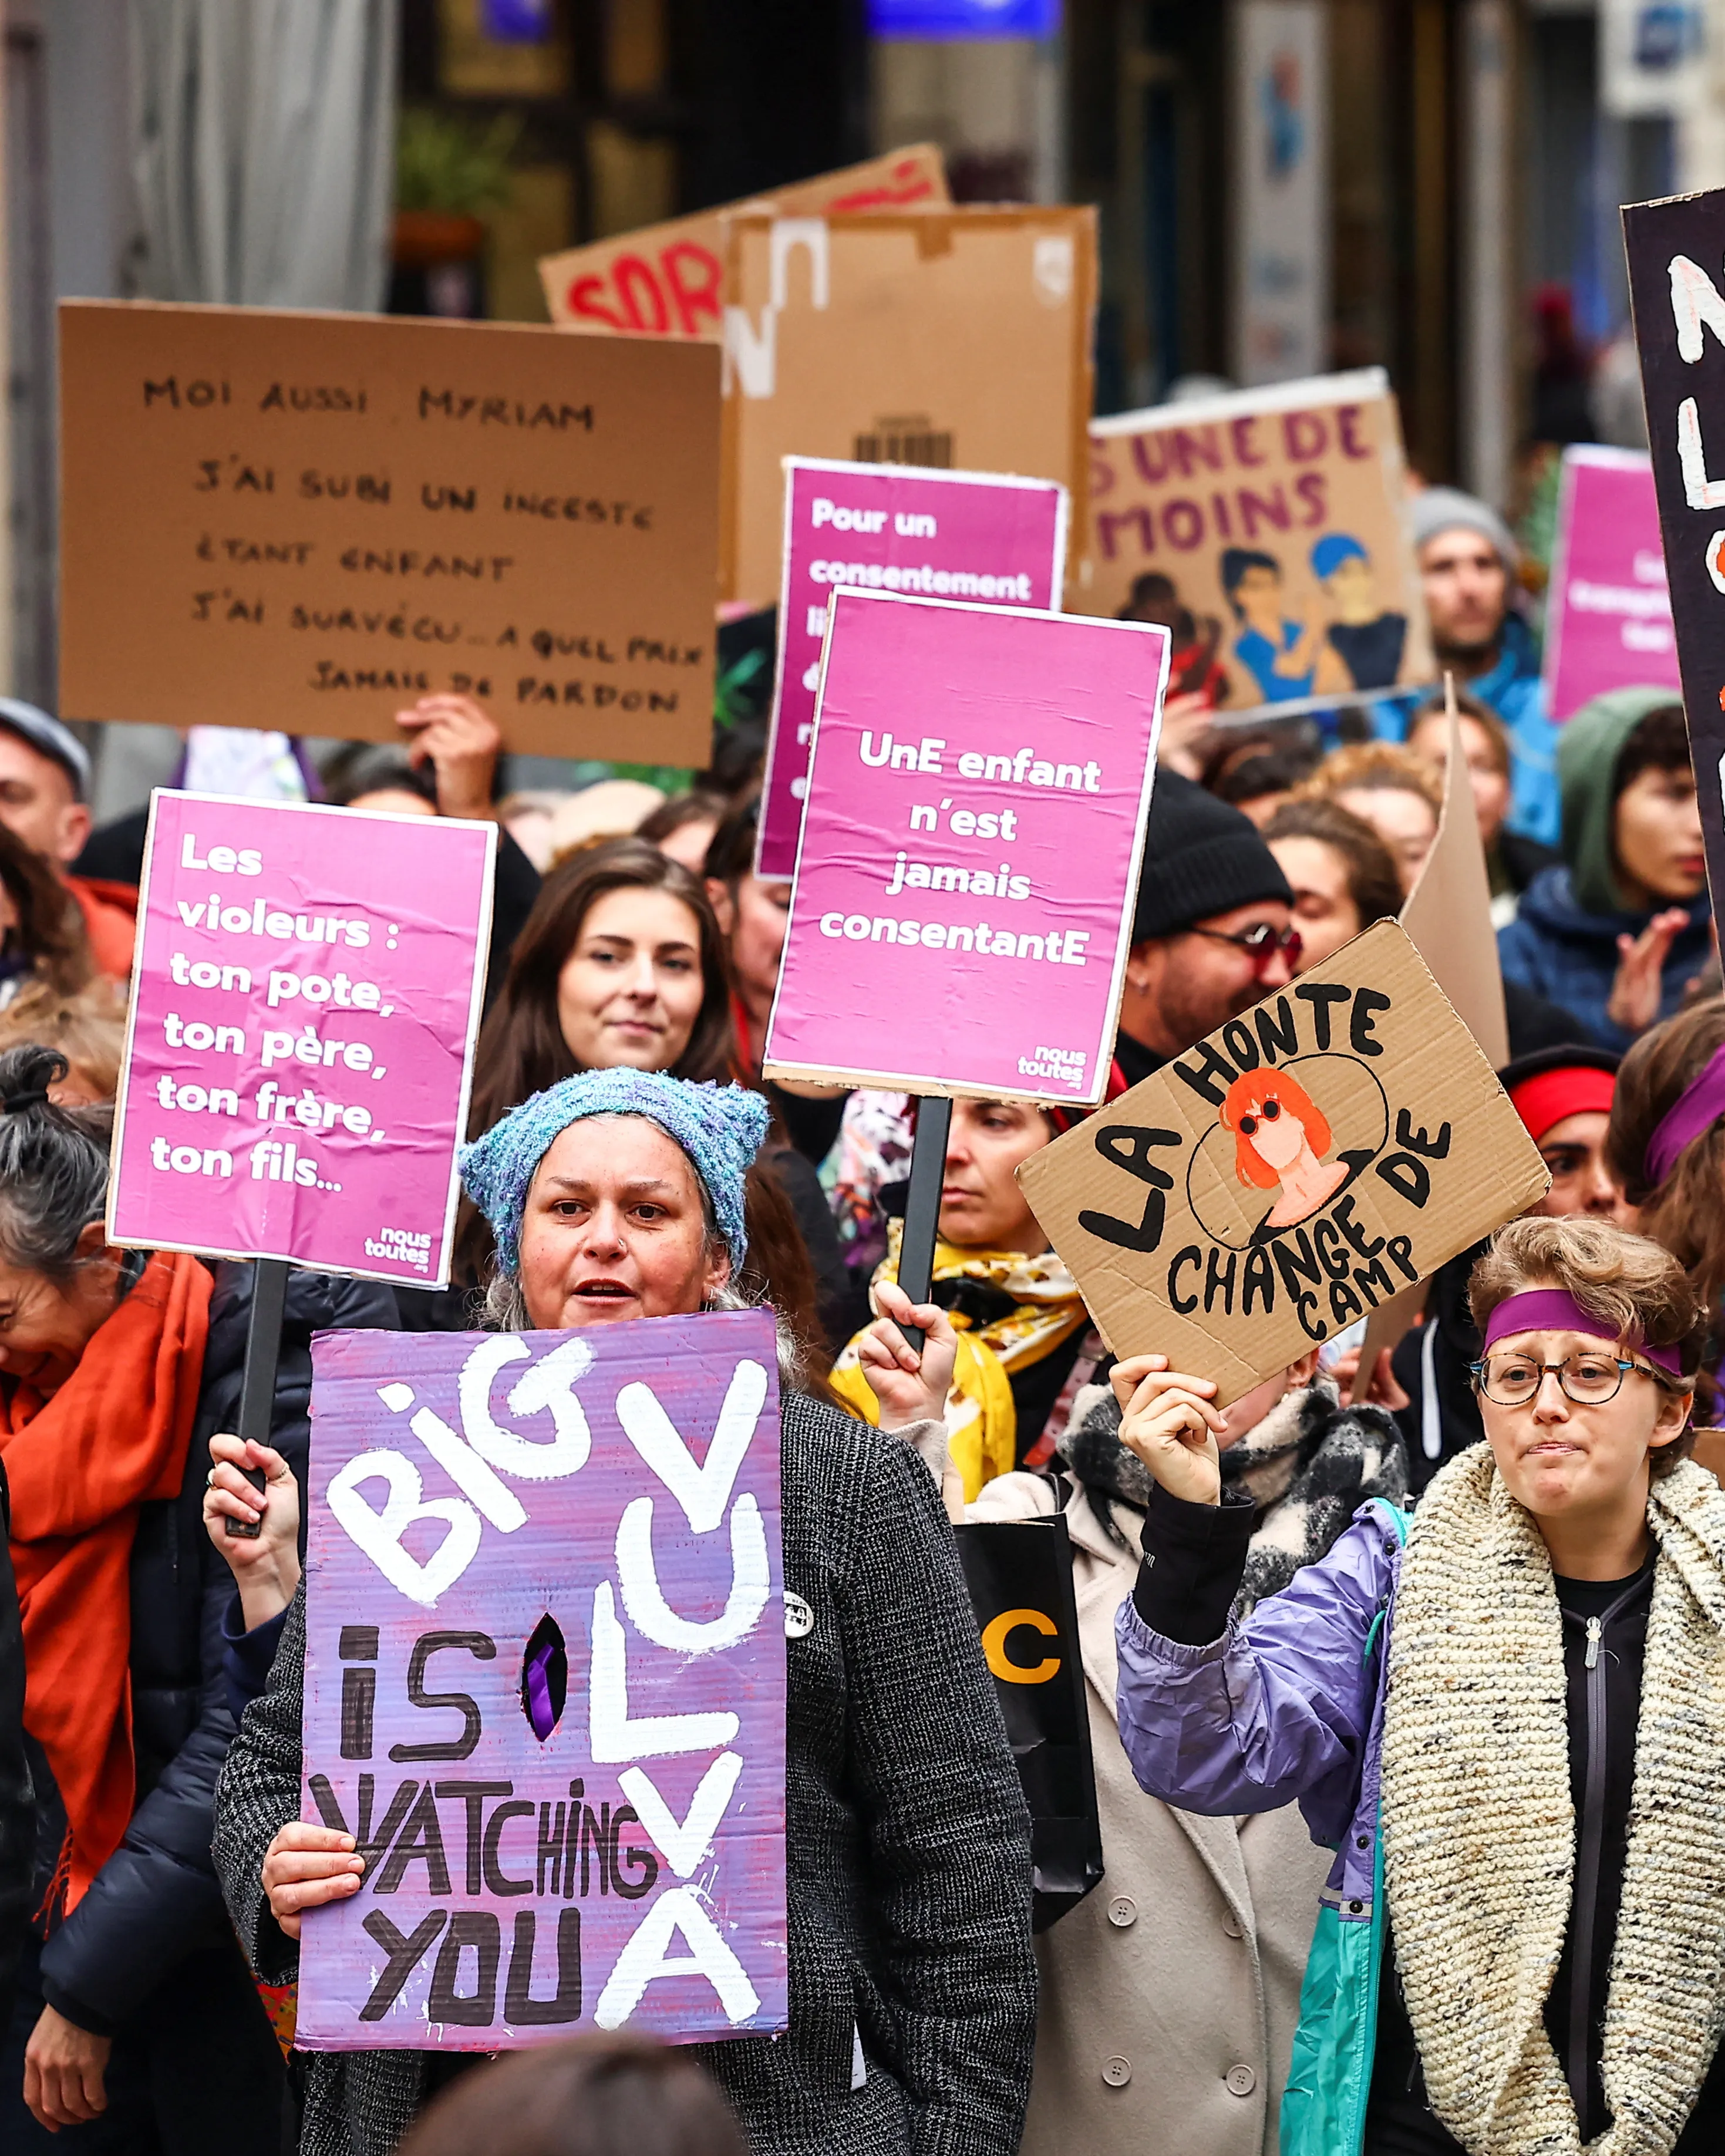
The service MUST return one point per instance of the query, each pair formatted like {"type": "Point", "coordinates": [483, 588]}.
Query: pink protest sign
{"type": "Point", "coordinates": [1607, 620]}
{"type": "Point", "coordinates": [301, 1043]}
{"type": "Point", "coordinates": [545, 1684]}
{"type": "Point", "coordinates": [889, 528]}
{"type": "Point", "coordinates": [969, 859]}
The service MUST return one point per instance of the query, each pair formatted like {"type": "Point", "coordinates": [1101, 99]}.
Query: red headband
{"type": "Point", "coordinates": [1547, 1099]}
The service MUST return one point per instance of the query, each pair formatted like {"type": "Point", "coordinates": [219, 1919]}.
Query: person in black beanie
{"type": "Point", "coordinates": [1212, 932]}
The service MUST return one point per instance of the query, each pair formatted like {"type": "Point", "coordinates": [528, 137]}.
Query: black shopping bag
{"type": "Point", "coordinates": [1019, 1572]}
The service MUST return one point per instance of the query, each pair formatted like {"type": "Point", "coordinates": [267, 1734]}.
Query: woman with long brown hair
{"type": "Point", "coordinates": [622, 962]}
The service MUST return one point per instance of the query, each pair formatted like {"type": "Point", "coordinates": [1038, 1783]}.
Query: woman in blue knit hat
{"type": "Point", "coordinates": [616, 1194]}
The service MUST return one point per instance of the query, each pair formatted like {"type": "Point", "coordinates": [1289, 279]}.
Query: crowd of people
{"type": "Point", "coordinates": [1406, 1698]}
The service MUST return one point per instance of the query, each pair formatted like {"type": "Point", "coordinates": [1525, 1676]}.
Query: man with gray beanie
{"type": "Point", "coordinates": [1467, 562]}
{"type": "Point", "coordinates": [1212, 932]}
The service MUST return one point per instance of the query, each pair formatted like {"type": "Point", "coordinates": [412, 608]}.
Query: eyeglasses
{"type": "Point", "coordinates": [1269, 1111]}
{"type": "Point", "coordinates": [1261, 944]}
{"type": "Point", "coordinates": [1512, 1381]}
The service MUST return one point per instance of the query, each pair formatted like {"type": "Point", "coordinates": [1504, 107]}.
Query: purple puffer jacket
{"type": "Point", "coordinates": [1288, 1706]}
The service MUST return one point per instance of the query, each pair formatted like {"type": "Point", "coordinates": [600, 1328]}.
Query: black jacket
{"type": "Point", "coordinates": [907, 1851]}
{"type": "Point", "coordinates": [156, 1899]}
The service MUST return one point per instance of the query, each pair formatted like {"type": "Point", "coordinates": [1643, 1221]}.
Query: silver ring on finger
{"type": "Point", "coordinates": [210, 1479]}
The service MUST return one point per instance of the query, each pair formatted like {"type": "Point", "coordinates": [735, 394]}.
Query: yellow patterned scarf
{"type": "Point", "coordinates": [1479, 1831]}
{"type": "Point", "coordinates": [982, 1423]}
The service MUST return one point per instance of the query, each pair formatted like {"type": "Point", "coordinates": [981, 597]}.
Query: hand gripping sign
{"type": "Point", "coordinates": [1289, 1174]}
{"type": "Point", "coordinates": [545, 1684]}
{"type": "Point", "coordinates": [300, 1046]}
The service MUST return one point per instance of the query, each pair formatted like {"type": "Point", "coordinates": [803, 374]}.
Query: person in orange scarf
{"type": "Point", "coordinates": [134, 2005]}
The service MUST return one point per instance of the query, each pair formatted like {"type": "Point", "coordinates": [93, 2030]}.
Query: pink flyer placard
{"type": "Point", "coordinates": [965, 536]}
{"type": "Point", "coordinates": [300, 1048]}
{"type": "Point", "coordinates": [977, 792]}
{"type": "Point", "coordinates": [1608, 619]}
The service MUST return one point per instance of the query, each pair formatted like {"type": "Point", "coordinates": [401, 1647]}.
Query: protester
{"type": "Point", "coordinates": [1255, 774]}
{"type": "Point", "coordinates": [1513, 859]}
{"type": "Point", "coordinates": [907, 1857]}
{"type": "Point", "coordinates": [45, 776]}
{"type": "Point", "coordinates": [1211, 930]}
{"type": "Point", "coordinates": [1187, 1964]}
{"type": "Point", "coordinates": [600, 2095]}
{"type": "Point", "coordinates": [133, 2004]}
{"type": "Point", "coordinates": [1467, 565]}
{"type": "Point", "coordinates": [43, 942]}
{"type": "Point", "coordinates": [1342, 875]}
{"type": "Point", "coordinates": [1617, 933]}
{"type": "Point", "coordinates": [1664, 1145]}
{"type": "Point", "coordinates": [611, 809]}
{"type": "Point", "coordinates": [527, 817]}
{"type": "Point", "coordinates": [1024, 1344]}
{"type": "Point", "coordinates": [621, 961]}
{"type": "Point", "coordinates": [1563, 1097]}
{"type": "Point", "coordinates": [1516, 1718]}
{"type": "Point", "coordinates": [88, 1028]}
{"type": "Point", "coordinates": [683, 828]}
{"type": "Point", "coordinates": [1389, 789]}
{"type": "Point", "coordinates": [754, 912]}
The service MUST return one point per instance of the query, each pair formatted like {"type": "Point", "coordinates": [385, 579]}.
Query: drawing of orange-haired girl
{"type": "Point", "coordinates": [1279, 1135]}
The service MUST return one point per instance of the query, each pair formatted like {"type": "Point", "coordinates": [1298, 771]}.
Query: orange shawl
{"type": "Point", "coordinates": [80, 1463]}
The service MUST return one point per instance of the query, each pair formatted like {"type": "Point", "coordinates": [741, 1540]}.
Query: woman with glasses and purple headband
{"type": "Point", "coordinates": [1507, 1718]}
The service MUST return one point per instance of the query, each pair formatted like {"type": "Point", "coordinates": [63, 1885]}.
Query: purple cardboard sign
{"type": "Point", "coordinates": [300, 1046]}
{"type": "Point", "coordinates": [890, 527]}
{"type": "Point", "coordinates": [977, 792]}
{"type": "Point", "coordinates": [545, 1685]}
{"type": "Point", "coordinates": [1607, 620]}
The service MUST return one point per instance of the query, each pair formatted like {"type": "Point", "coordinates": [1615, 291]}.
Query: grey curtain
{"type": "Point", "coordinates": [262, 149]}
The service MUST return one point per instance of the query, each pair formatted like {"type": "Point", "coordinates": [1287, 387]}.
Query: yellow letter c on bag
{"type": "Point", "coordinates": [995, 1634]}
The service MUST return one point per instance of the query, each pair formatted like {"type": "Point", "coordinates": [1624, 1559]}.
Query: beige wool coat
{"type": "Point", "coordinates": [1170, 1994]}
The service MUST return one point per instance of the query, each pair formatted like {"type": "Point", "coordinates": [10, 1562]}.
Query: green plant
{"type": "Point", "coordinates": [445, 162]}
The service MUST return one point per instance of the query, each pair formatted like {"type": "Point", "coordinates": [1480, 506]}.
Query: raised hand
{"type": "Point", "coordinates": [1167, 1420]}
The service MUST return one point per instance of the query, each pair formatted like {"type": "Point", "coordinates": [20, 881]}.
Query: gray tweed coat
{"type": "Point", "coordinates": [907, 1845]}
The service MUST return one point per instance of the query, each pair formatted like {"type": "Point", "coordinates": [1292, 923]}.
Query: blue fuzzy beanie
{"type": "Point", "coordinates": [721, 1127]}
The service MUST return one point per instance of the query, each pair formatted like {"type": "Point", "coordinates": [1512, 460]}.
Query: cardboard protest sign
{"type": "Point", "coordinates": [300, 1045]}
{"type": "Point", "coordinates": [1447, 917]}
{"type": "Point", "coordinates": [667, 279]}
{"type": "Point", "coordinates": [308, 521]}
{"type": "Point", "coordinates": [948, 535]}
{"type": "Point", "coordinates": [1273, 524]}
{"type": "Point", "coordinates": [959, 338]}
{"type": "Point", "coordinates": [556, 1725]}
{"type": "Point", "coordinates": [1608, 610]}
{"type": "Point", "coordinates": [1019, 1574]}
{"type": "Point", "coordinates": [1677, 291]}
{"type": "Point", "coordinates": [1291, 1174]}
{"type": "Point", "coordinates": [977, 793]}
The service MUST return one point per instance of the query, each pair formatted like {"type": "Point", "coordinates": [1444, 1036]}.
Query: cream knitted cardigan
{"type": "Point", "coordinates": [1479, 1828]}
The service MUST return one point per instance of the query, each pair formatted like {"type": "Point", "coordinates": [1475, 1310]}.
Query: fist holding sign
{"type": "Point", "coordinates": [1286, 1175]}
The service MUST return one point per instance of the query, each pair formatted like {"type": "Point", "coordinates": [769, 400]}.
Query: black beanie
{"type": "Point", "coordinates": [1201, 858]}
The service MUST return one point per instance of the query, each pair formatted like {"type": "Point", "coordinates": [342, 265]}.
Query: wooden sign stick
{"type": "Point", "coordinates": [922, 1204]}
{"type": "Point", "coordinates": [257, 1383]}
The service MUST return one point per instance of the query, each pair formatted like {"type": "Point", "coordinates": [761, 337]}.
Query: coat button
{"type": "Point", "coordinates": [1231, 1925]}
{"type": "Point", "coordinates": [1240, 2081]}
{"type": "Point", "coordinates": [1122, 1910]}
{"type": "Point", "coordinates": [1116, 2073]}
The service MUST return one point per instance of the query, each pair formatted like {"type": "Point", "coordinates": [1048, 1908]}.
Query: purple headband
{"type": "Point", "coordinates": [1552, 1310]}
{"type": "Point", "coordinates": [1696, 1109]}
